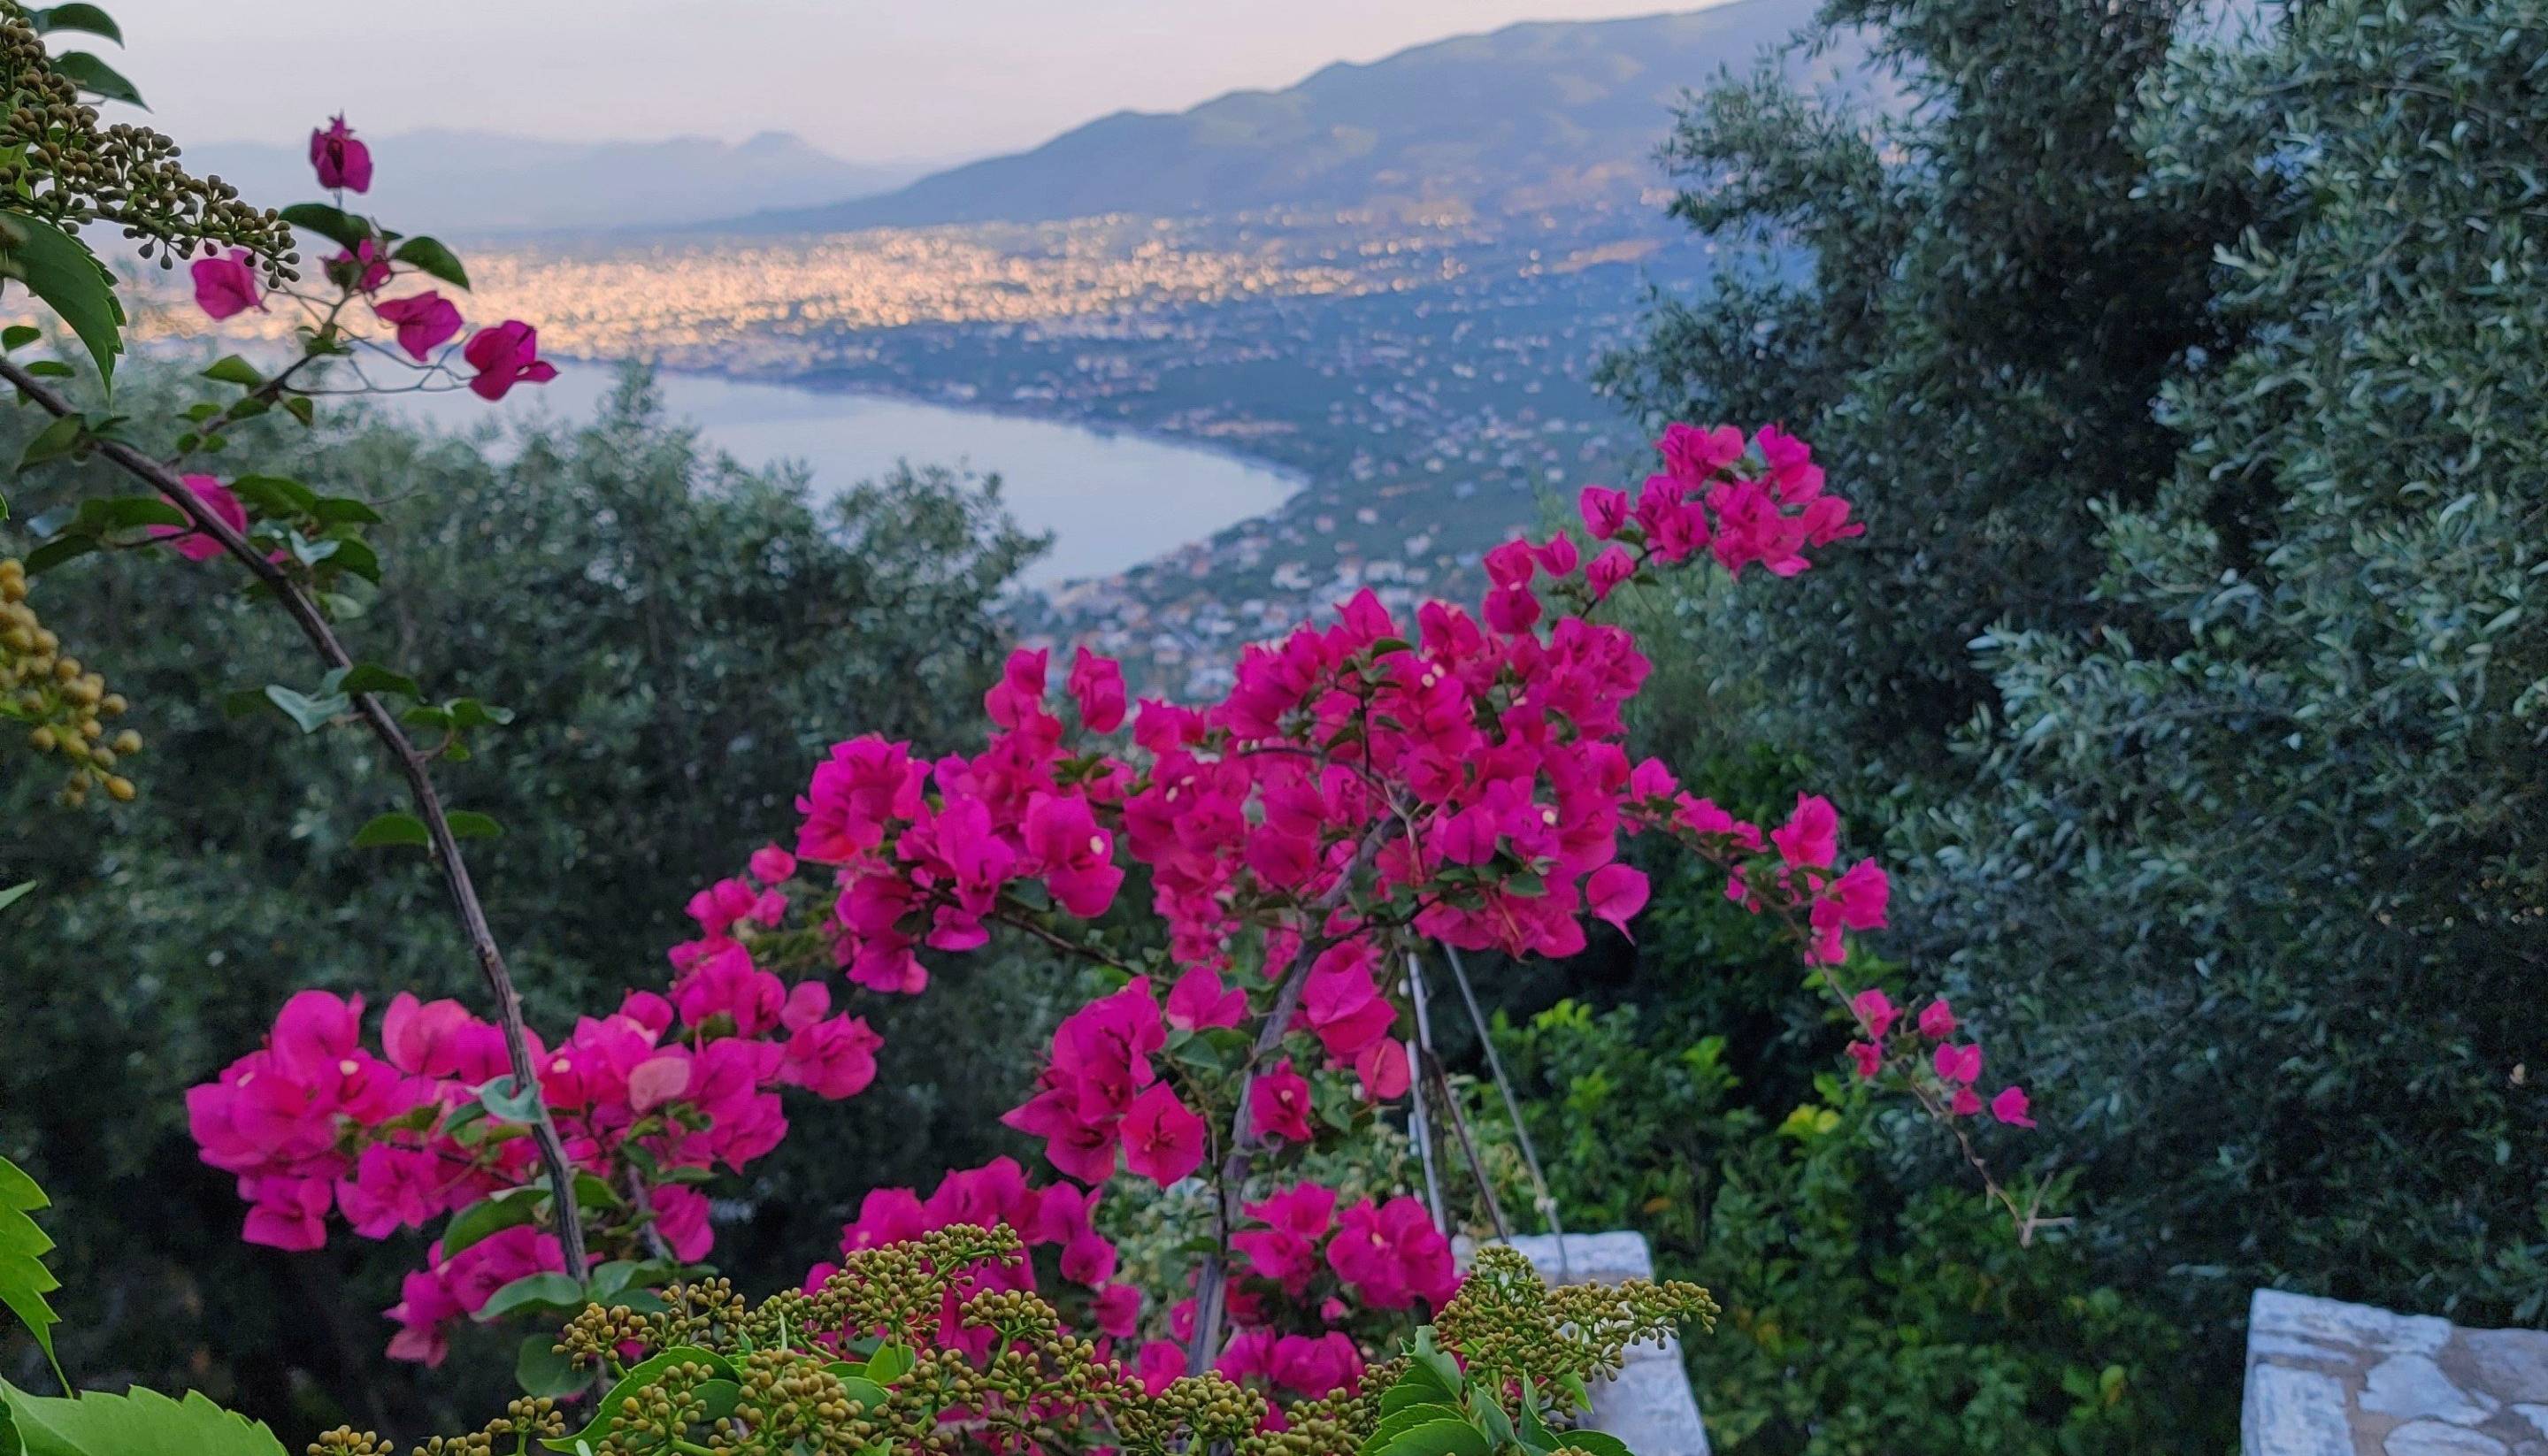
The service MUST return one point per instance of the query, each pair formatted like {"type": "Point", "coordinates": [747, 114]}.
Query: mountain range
{"type": "Point", "coordinates": [486, 184]}
{"type": "Point", "coordinates": [1534, 116]}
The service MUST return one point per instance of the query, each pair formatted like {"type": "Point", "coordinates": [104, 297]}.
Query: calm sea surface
{"type": "Point", "coordinates": [1110, 499]}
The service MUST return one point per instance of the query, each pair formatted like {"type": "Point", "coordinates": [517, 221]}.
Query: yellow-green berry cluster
{"type": "Point", "coordinates": [64, 707]}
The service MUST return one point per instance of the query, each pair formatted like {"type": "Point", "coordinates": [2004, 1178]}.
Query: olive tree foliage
{"type": "Point", "coordinates": [665, 628]}
{"type": "Point", "coordinates": [2198, 358]}
{"type": "Point", "coordinates": [1963, 298]}
{"type": "Point", "coordinates": [1960, 284]}
{"type": "Point", "coordinates": [2268, 857]}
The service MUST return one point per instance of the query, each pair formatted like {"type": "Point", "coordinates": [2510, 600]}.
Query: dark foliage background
{"type": "Point", "coordinates": [681, 639]}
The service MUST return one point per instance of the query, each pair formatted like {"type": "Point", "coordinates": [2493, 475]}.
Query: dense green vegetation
{"type": "Point", "coordinates": [2190, 379]}
{"type": "Point", "coordinates": [679, 639]}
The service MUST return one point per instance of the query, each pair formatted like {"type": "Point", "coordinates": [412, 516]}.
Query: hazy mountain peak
{"type": "Point", "coordinates": [1535, 115]}
{"type": "Point", "coordinates": [461, 181]}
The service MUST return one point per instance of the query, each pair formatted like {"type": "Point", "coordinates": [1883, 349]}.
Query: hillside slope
{"type": "Point", "coordinates": [1533, 115]}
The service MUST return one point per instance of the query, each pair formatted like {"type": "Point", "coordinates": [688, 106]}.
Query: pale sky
{"type": "Point", "coordinates": [870, 80]}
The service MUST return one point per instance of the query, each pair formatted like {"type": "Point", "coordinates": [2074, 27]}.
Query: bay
{"type": "Point", "coordinates": [1112, 499]}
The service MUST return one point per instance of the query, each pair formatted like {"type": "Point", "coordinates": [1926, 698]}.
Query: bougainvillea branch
{"type": "Point", "coordinates": [411, 766]}
{"type": "Point", "coordinates": [1240, 1158]}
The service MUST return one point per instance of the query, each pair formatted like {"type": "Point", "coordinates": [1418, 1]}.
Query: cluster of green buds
{"type": "Point", "coordinates": [1508, 1326]}
{"type": "Point", "coordinates": [526, 1429]}
{"type": "Point", "coordinates": [64, 706]}
{"type": "Point", "coordinates": [849, 1370]}
{"type": "Point", "coordinates": [57, 164]}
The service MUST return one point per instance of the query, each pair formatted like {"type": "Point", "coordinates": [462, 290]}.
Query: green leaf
{"type": "Point", "coordinates": [511, 1209]}
{"type": "Point", "coordinates": [334, 223]}
{"type": "Point", "coordinates": [638, 1376]}
{"type": "Point", "coordinates": [1597, 1443]}
{"type": "Point", "coordinates": [428, 255]}
{"type": "Point", "coordinates": [232, 369]}
{"type": "Point", "coordinates": [338, 509]}
{"type": "Point", "coordinates": [60, 270]}
{"type": "Point", "coordinates": [311, 713]}
{"type": "Point", "coordinates": [890, 1363]}
{"type": "Point", "coordinates": [51, 369]}
{"type": "Point", "coordinates": [392, 829]}
{"type": "Point", "coordinates": [1434, 1438]}
{"type": "Point", "coordinates": [16, 893]}
{"type": "Point", "coordinates": [1406, 1419]}
{"type": "Point", "coordinates": [23, 1279]}
{"type": "Point", "coordinates": [613, 1283]}
{"type": "Point", "coordinates": [97, 78]}
{"type": "Point", "coordinates": [858, 1387]}
{"type": "Point", "coordinates": [53, 443]}
{"type": "Point", "coordinates": [276, 495]}
{"type": "Point", "coordinates": [469, 712]}
{"type": "Point", "coordinates": [541, 1370]}
{"type": "Point", "coordinates": [1428, 1357]}
{"type": "Point", "coordinates": [375, 678]}
{"type": "Point", "coordinates": [505, 1104]}
{"type": "Point", "coordinates": [302, 410]}
{"type": "Point", "coordinates": [557, 1290]}
{"type": "Point", "coordinates": [592, 1191]}
{"type": "Point", "coordinates": [140, 1423]}
{"type": "Point", "coordinates": [18, 336]}
{"type": "Point", "coordinates": [123, 512]}
{"type": "Point", "coordinates": [86, 18]}
{"type": "Point", "coordinates": [54, 552]}
{"type": "Point", "coordinates": [354, 556]}
{"type": "Point", "coordinates": [470, 824]}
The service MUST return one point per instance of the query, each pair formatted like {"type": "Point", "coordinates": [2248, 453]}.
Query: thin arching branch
{"type": "Point", "coordinates": [412, 766]}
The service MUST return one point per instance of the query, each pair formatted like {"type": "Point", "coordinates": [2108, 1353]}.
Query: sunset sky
{"type": "Point", "coordinates": [868, 80]}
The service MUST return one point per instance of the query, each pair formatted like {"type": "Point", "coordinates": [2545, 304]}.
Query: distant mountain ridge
{"type": "Point", "coordinates": [1537, 114]}
{"type": "Point", "coordinates": [486, 184]}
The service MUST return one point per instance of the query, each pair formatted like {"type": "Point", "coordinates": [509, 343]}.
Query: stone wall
{"type": "Point", "coordinates": [2331, 1379]}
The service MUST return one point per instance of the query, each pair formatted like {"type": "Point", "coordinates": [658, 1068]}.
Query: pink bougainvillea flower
{"type": "Point", "coordinates": [1693, 454]}
{"type": "Point", "coordinates": [1876, 1010]}
{"type": "Point", "coordinates": [1867, 1058]}
{"type": "Point", "coordinates": [1116, 1311]}
{"type": "Point", "coordinates": [1384, 1071]}
{"type": "Point", "coordinates": [1614, 566]}
{"type": "Point", "coordinates": [290, 1213]}
{"type": "Point", "coordinates": [196, 545]}
{"type": "Point", "coordinates": [363, 268]}
{"type": "Point", "coordinates": [1810, 839]}
{"type": "Point", "coordinates": [226, 285]}
{"type": "Point", "coordinates": [1393, 1256]}
{"type": "Point", "coordinates": [1198, 1003]}
{"type": "Point", "coordinates": [1959, 1064]}
{"type": "Point", "coordinates": [1162, 1136]}
{"type": "Point", "coordinates": [1097, 685]}
{"type": "Point", "coordinates": [681, 1216]}
{"type": "Point", "coordinates": [1965, 1102]}
{"type": "Point", "coordinates": [1604, 510]}
{"type": "Point", "coordinates": [1615, 893]}
{"type": "Point", "coordinates": [1278, 1102]}
{"type": "Point", "coordinates": [658, 1080]}
{"type": "Point", "coordinates": [426, 321]}
{"type": "Point", "coordinates": [339, 159]}
{"type": "Point", "coordinates": [772, 865]}
{"type": "Point", "coordinates": [503, 356]}
{"type": "Point", "coordinates": [1559, 557]}
{"type": "Point", "coordinates": [1937, 1023]}
{"type": "Point", "coordinates": [2010, 1107]}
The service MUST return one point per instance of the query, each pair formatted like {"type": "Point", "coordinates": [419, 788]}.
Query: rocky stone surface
{"type": "Point", "coordinates": [2331, 1379]}
{"type": "Point", "coordinates": [1650, 1406]}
